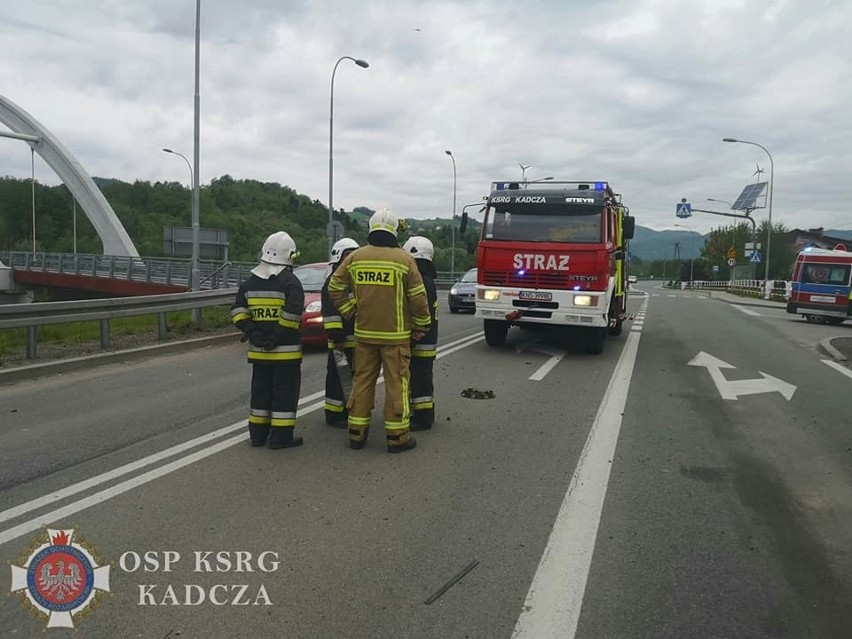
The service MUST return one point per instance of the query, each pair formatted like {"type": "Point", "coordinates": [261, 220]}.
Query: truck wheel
{"type": "Point", "coordinates": [495, 332]}
{"type": "Point", "coordinates": [595, 341]}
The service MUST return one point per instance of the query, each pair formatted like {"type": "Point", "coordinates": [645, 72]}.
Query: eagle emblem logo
{"type": "Point", "coordinates": [59, 578]}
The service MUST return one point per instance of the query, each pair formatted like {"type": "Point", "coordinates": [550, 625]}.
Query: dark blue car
{"type": "Point", "coordinates": [463, 293]}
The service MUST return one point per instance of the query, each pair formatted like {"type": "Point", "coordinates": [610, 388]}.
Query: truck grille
{"type": "Point", "coordinates": [527, 280]}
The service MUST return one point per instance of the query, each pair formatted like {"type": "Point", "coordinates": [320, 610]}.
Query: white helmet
{"type": "Point", "coordinates": [420, 248]}
{"type": "Point", "coordinates": [278, 251]}
{"type": "Point", "coordinates": [384, 220]}
{"type": "Point", "coordinates": [340, 247]}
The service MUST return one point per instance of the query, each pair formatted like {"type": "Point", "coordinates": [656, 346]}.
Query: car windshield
{"type": "Point", "coordinates": [470, 276]}
{"type": "Point", "coordinates": [311, 276]}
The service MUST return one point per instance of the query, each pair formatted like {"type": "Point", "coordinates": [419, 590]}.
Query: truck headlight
{"type": "Point", "coordinates": [585, 300]}
{"type": "Point", "coordinates": [314, 306]}
{"type": "Point", "coordinates": [489, 294]}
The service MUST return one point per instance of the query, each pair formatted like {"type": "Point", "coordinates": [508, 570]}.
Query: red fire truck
{"type": "Point", "coordinates": [553, 254]}
{"type": "Point", "coordinates": [821, 290]}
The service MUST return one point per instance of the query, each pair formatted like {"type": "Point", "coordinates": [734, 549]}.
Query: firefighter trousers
{"type": "Point", "coordinates": [394, 361]}
{"type": "Point", "coordinates": [274, 398]}
{"type": "Point", "coordinates": [422, 390]}
{"type": "Point", "coordinates": [335, 398]}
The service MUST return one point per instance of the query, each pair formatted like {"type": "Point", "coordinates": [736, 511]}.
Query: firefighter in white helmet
{"type": "Point", "coordinates": [383, 283]}
{"type": "Point", "coordinates": [423, 353]}
{"type": "Point", "coordinates": [268, 310]}
{"type": "Point", "coordinates": [341, 336]}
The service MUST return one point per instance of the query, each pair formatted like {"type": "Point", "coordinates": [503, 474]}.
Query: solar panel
{"type": "Point", "coordinates": [748, 198]}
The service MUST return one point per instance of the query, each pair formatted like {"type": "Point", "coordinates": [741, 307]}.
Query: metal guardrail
{"type": "Point", "coordinates": [30, 316]}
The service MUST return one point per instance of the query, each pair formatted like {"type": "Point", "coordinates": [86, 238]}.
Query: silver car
{"type": "Point", "coordinates": [463, 293]}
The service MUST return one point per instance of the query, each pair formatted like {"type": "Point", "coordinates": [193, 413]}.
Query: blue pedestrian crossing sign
{"type": "Point", "coordinates": [683, 209]}
{"type": "Point", "coordinates": [755, 257]}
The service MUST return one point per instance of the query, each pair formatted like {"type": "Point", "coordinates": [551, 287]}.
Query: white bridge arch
{"type": "Point", "coordinates": [113, 235]}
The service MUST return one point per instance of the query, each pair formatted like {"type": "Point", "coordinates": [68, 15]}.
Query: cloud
{"type": "Point", "coordinates": [637, 93]}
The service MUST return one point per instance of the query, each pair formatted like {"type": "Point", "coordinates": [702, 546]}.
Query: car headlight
{"type": "Point", "coordinates": [454, 291]}
{"type": "Point", "coordinates": [489, 294]}
{"type": "Point", "coordinates": [585, 300]}
{"type": "Point", "coordinates": [314, 307]}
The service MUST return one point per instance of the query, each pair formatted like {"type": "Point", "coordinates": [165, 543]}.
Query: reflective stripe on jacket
{"type": "Point", "coordinates": [273, 307]}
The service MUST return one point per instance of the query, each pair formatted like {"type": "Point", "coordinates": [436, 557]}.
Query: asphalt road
{"type": "Point", "coordinates": [618, 495]}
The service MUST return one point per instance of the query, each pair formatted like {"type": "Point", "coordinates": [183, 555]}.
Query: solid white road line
{"type": "Point", "coordinates": [838, 367]}
{"type": "Point", "coordinates": [108, 493]}
{"type": "Point", "coordinates": [553, 604]}
{"type": "Point", "coordinates": [542, 372]}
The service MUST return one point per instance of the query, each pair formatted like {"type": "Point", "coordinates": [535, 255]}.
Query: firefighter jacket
{"type": "Point", "coordinates": [388, 294]}
{"type": "Point", "coordinates": [339, 331]}
{"type": "Point", "coordinates": [427, 346]}
{"type": "Point", "coordinates": [269, 312]}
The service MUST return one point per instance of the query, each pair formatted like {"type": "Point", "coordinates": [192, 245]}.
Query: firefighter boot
{"type": "Point", "coordinates": [400, 443]}
{"type": "Point", "coordinates": [282, 437]}
{"type": "Point", "coordinates": [422, 419]}
{"type": "Point", "coordinates": [258, 434]}
{"type": "Point", "coordinates": [357, 438]}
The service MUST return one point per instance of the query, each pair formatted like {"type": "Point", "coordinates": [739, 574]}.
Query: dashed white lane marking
{"type": "Point", "coordinates": [547, 367]}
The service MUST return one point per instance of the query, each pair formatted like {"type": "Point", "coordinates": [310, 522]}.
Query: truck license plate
{"type": "Point", "coordinates": [825, 299]}
{"type": "Point", "coordinates": [538, 296]}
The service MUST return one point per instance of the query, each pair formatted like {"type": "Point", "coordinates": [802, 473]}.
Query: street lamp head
{"type": "Point", "coordinates": [168, 150]}
{"type": "Point", "coordinates": [450, 153]}
{"type": "Point", "coordinates": [362, 63]}
{"type": "Point", "coordinates": [730, 140]}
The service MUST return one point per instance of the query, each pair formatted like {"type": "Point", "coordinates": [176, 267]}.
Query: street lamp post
{"type": "Point", "coordinates": [194, 261]}
{"type": "Point", "coordinates": [767, 289]}
{"type": "Point", "coordinates": [363, 64]}
{"type": "Point", "coordinates": [691, 259]}
{"type": "Point", "coordinates": [32, 185]}
{"type": "Point", "coordinates": [453, 223]}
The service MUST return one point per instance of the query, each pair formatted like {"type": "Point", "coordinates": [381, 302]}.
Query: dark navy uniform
{"type": "Point", "coordinates": [339, 331]}
{"type": "Point", "coordinates": [269, 312]}
{"type": "Point", "coordinates": [423, 355]}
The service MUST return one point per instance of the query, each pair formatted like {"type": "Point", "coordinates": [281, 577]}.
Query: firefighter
{"type": "Point", "coordinates": [388, 293]}
{"type": "Point", "coordinates": [341, 336]}
{"type": "Point", "coordinates": [268, 310]}
{"type": "Point", "coordinates": [423, 352]}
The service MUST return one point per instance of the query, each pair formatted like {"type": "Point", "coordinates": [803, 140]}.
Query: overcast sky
{"type": "Point", "coordinates": [636, 92]}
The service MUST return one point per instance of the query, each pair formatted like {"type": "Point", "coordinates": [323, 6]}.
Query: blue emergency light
{"type": "Point", "coordinates": [600, 186]}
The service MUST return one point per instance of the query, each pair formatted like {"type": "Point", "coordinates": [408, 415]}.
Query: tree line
{"type": "Point", "coordinates": [715, 254]}
{"type": "Point", "coordinates": [249, 210]}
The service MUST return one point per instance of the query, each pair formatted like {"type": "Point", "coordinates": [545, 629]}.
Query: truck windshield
{"type": "Point", "coordinates": [544, 224]}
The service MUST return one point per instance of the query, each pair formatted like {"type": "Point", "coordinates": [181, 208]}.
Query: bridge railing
{"type": "Point", "coordinates": [31, 316]}
{"type": "Point", "coordinates": [159, 270]}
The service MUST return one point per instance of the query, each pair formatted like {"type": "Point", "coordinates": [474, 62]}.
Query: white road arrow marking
{"type": "Point", "coordinates": [732, 389]}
